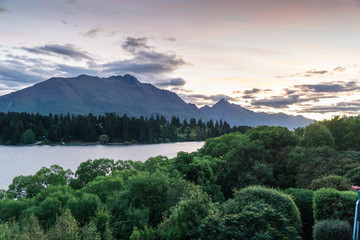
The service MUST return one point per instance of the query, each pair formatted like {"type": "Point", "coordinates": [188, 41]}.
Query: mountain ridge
{"type": "Point", "coordinates": [126, 95]}
{"type": "Point", "coordinates": [235, 114]}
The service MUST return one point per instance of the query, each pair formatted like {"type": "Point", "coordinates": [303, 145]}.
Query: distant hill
{"type": "Point", "coordinates": [236, 115]}
{"type": "Point", "coordinates": [126, 95]}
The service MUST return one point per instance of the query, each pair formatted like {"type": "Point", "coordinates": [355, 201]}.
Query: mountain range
{"type": "Point", "coordinates": [126, 95]}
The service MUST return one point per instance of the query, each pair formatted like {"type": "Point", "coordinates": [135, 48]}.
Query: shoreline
{"type": "Point", "coordinates": [94, 144]}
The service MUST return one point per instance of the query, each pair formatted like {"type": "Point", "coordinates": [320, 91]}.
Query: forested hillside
{"type": "Point", "coordinates": [267, 183]}
{"type": "Point", "coordinates": [26, 128]}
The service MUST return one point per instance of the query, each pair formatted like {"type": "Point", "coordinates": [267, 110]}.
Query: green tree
{"type": "Point", "coordinates": [50, 203]}
{"type": "Point", "coordinates": [104, 186]}
{"type": "Point", "coordinates": [125, 216]}
{"type": "Point", "coordinates": [159, 163]}
{"type": "Point", "coordinates": [11, 210]}
{"type": "Point", "coordinates": [28, 137]}
{"type": "Point", "coordinates": [31, 228]}
{"type": "Point", "coordinates": [2, 194]}
{"type": "Point", "coordinates": [84, 207]}
{"type": "Point", "coordinates": [9, 231]}
{"type": "Point", "coordinates": [65, 227]}
{"type": "Point", "coordinates": [89, 170]}
{"type": "Point", "coordinates": [245, 164]}
{"type": "Point", "coordinates": [273, 138]}
{"type": "Point", "coordinates": [186, 217]}
{"type": "Point", "coordinates": [25, 187]}
{"type": "Point", "coordinates": [53, 176]}
{"type": "Point", "coordinates": [89, 232]}
{"type": "Point", "coordinates": [104, 139]}
{"type": "Point", "coordinates": [317, 135]}
{"type": "Point", "coordinates": [200, 170]}
{"type": "Point", "coordinates": [149, 190]}
{"type": "Point", "coordinates": [102, 223]}
{"type": "Point", "coordinates": [141, 203]}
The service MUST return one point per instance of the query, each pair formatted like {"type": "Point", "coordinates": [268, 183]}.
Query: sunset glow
{"type": "Point", "coordinates": [295, 57]}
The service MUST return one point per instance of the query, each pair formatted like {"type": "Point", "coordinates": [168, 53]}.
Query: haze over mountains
{"type": "Point", "coordinates": [236, 115]}
{"type": "Point", "coordinates": [126, 95]}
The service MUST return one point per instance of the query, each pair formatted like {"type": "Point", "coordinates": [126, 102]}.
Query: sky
{"type": "Point", "coordinates": [299, 57]}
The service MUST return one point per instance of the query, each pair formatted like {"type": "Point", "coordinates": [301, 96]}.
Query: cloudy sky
{"type": "Point", "coordinates": [291, 56]}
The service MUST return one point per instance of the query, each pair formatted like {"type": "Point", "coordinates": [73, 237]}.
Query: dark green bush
{"type": "Point", "coordinates": [10, 209]}
{"type": "Point", "coordinates": [257, 221]}
{"type": "Point", "coordinates": [303, 199]}
{"type": "Point", "coordinates": [332, 181]}
{"type": "Point", "coordinates": [281, 202]}
{"type": "Point", "coordinates": [332, 230]}
{"type": "Point", "coordinates": [354, 175]}
{"type": "Point", "coordinates": [332, 204]}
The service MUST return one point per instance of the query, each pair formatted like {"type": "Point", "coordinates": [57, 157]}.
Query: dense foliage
{"type": "Point", "coordinates": [281, 203]}
{"type": "Point", "coordinates": [332, 181]}
{"type": "Point", "coordinates": [25, 128]}
{"type": "Point", "coordinates": [256, 221]}
{"type": "Point", "coordinates": [332, 204]}
{"type": "Point", "coordinates": [267, 183]}
{"type": "Point", "coordinates": [303, 199]}
{"type": "Point", "coordinates": [332, 230]}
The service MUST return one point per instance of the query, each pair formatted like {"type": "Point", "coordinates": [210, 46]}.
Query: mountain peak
{"type": "Point", "coordinates": [84, 77]}
{"type": "Point", "coordinates": [222, 102]}
{"type": "Point", "coordinates": [127, 78]}
{"type": "Point", "coordinates": [237, 115]}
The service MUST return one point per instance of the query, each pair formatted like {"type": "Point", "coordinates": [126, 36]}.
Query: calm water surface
{"type": "Point", "coordinates": [27, 160]}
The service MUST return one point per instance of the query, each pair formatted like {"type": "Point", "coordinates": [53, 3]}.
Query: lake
{"type": "Point", "coordinates": [27, 160]}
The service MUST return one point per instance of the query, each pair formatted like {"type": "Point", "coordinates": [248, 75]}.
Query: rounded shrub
{"type": "Point", "coordinates": [281, 202]}
{"type": "Point", "coordinates": [332, 181]}
{"type": "Point", "coordinates": [332, 230]}
{"type": "Point", "coordinates": [332, 204]}
{"type": "Point", "coordinates": [255, 221]}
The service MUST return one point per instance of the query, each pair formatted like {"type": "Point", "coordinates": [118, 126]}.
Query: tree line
{"type": "Point", "coordinates": [25, 128]}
